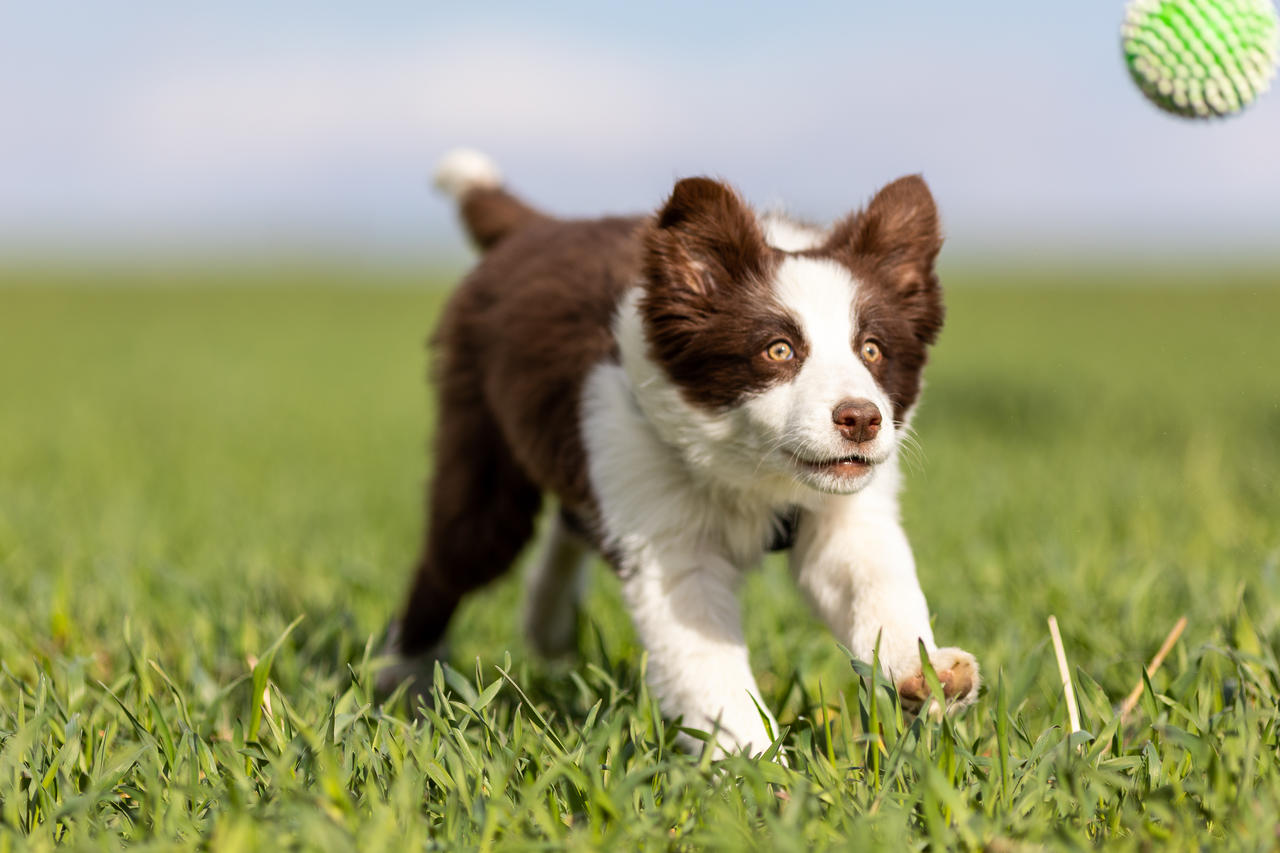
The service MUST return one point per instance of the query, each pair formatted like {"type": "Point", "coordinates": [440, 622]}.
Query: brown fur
{"type": "Point", "coordinates": [710, 312]}
{"type": "Point", "coordinates": [709, 309]}
{"type": "Point", "coordinates": [492, 213]}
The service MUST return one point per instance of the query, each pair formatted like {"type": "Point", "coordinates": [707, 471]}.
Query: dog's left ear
{"type": "Point", "coordinates": [898, 237]}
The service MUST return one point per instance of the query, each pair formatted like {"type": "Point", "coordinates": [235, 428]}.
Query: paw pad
{"type": "Point", "coordinates": [958, 674]}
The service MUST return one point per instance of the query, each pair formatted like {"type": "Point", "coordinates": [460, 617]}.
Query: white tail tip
{"type": "Point", "coordinates": [465, 169]}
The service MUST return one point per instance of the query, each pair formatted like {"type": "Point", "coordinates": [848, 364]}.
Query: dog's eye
{"type": "Point", "coordinates": [871, 352]}
{"type": "Point", "coordinates": [779, 351]}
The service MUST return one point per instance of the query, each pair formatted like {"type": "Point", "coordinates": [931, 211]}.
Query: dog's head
{"type": "Point", "coordinates": [811, 358]}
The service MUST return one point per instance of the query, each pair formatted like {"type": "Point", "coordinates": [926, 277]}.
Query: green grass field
{"type": "Point", "coordinates": [192, 464]}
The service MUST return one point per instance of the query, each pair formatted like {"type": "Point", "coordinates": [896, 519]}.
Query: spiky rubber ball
{"type": "Point", "coordinates": [1201, 58]}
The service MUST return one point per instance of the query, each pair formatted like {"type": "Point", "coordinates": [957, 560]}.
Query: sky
{"type": "Point", "coordinates": [137, 127]}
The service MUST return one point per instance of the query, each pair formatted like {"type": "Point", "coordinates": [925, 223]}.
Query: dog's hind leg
{"type": "Point", "coordinates": [480, 514]}
{"type": "Point", "coordinates": [553, 588]}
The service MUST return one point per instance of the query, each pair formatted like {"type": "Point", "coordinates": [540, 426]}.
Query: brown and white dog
{"type": "Point", "coordinates": [693, 387]}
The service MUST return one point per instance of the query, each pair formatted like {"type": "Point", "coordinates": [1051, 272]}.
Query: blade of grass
{"type": "Point", "coordinates": [1073, 713]}
{"type": "Point", "coordinates": [261, 672]}
{"type": "Point", "coordinates": [1131, 701]}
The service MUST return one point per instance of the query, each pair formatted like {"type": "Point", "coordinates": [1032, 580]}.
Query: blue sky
{"type": "Point", "coordinates": [136, 126]}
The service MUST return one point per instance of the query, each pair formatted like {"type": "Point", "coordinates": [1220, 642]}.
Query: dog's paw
{"type": "Point", "coordinates": [397, 668]}
{"type": "Point", "coordinates": [958, 674]}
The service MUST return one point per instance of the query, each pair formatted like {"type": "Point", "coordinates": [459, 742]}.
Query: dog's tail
{"type": "Point", "coordinates": [489, 212]}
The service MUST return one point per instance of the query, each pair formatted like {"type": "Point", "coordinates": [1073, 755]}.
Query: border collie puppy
{"type": "Point", "coordinates": [695, 388]}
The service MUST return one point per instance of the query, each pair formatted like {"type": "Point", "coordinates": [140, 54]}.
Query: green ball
{"type": "Point", "coordinates": [1201, 58]}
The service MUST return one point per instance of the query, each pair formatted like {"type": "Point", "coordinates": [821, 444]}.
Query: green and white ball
{"type": "Point", "coordinates": [1201, 58]}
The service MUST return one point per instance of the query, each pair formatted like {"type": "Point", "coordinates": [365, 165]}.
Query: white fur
{"type": "Point", "coordinates": [682, 541]}
{"type": "Point", "coordinates": [853, 562]}
{"type": "Point", "coordinates": [464, 169]}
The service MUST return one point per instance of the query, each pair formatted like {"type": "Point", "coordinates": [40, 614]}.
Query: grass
{"type": "Point", "coordinates": [210, 495]}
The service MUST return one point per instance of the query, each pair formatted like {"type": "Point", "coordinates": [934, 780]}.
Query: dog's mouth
{"type": "Point", "coordinates": [853, 465]}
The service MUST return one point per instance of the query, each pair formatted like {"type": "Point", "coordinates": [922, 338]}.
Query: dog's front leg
{"type": "Point", "coordinates": [853, 561]}
{"type": "Point", "coordinates": [685, 608]}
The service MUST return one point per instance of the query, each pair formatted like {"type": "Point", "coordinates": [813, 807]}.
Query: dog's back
{"type": "Point", "coordinates": [513, 347]}
{"type": "Point", "coordinates": [529, 322]}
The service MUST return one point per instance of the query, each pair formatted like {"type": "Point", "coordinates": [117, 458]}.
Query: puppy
{"type": "Point", "coordinates": [694, 388]}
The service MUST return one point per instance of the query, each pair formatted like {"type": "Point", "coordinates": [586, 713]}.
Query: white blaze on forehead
{"type": "Point", "coordinates": [794, 419]}
{"type": "Point", "coordinates": [819, 293]}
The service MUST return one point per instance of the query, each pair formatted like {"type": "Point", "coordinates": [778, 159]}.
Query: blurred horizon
{"type": "Point", "coordinates": [144, 130]}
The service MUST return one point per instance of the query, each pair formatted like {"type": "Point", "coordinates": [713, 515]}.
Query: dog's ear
{"type": "Point", "coordinates": [703, 238]}
{"type": "Point", "coordinates": [895, 241]}
{"type": "Point", "coordinates": [898, 232]}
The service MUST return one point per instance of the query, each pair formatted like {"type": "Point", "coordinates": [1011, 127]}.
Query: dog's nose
{"type": "Point", "coordinates": [857, 420]}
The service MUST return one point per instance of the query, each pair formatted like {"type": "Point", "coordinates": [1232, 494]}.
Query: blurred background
{"type": "Point", "coordinates": [141, 128]}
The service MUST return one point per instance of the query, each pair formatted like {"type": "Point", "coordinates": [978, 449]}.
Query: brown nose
{"type": "Point", "coordinates": [857, 420]}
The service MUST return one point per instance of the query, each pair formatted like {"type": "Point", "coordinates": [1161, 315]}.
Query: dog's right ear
{"type": "Point", "coordinates": [704, 238]}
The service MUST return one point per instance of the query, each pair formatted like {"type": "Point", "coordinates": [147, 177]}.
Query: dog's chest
{"type": "Point", "coordinates": [648, 492]}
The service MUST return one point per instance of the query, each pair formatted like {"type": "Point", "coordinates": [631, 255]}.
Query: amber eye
{"type": "Point", "coordinates": [779, 351]}
{"type": "Point", "coordinates": [871, 352]}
